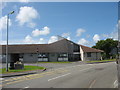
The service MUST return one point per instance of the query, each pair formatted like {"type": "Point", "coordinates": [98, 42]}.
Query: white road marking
{"type": "Point", "coordinates": [115, 84]}
{"type": "Point", "coordinates": [1, 79]}
{"type": "Point", "coordinates": [92, 83]}
{"type": "Point", "coordinates": [26, 87]}
{"type": "Point", "coordinates": [59, 76]}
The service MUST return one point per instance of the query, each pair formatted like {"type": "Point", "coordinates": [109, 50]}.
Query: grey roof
{"type": "Point", "coordinates": [62, 46]}
{"type": "Point", "coordinates": [59, 46]}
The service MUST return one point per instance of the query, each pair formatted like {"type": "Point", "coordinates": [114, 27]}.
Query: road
{"type": "Point", "coordinates": [103, 75]}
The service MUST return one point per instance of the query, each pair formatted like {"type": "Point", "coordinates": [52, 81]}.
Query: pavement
{"type": "Point", "coordinates": [75, 75]}
{"type": "Point", "coordinates": [21, 73]}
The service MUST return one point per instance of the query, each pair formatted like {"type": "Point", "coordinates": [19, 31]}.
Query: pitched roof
{"type": "Point", "coordinates": [25, 48]}
{"type": "Point", "coordinates": [59, 46]}
{"type": "Point", "coordinates": [88, 49]}
{"type": "Point", "coordinates": [63, 45]}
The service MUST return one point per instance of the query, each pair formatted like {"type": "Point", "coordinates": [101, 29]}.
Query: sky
{"type": "Point", "coordinates": [39, 22]}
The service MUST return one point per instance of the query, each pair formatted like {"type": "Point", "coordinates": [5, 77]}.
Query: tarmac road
{"type": "Point", "coordinates": [103, 75]}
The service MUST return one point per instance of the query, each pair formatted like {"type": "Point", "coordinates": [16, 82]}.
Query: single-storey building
{"type": "Point", "coordinates": [88, 53]}
{"type": "Point", "coordinates": [62, 50]}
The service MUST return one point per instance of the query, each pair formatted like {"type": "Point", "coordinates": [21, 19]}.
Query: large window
{"type": "Point", "coordinates": [88, 54]}
{"type": "Point", "coordinates": [76, 48]}
{"type": "Point", "coordinates": [43, 57]}
{"type": "Point", "coordinates": [63, 57]}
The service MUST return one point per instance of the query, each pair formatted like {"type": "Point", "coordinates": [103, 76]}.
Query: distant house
{"type": "Point", "coordinates": [88, 53]}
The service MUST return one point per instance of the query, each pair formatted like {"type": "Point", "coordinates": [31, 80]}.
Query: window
{"type": "Point", "coordinates": [76, 48]}
{"type": "Point", "coordinates": [88, 54]}
{"type": "Point", "coordinates": [42, 55]}
{"type": "Point", "coordinates": [62, 55]}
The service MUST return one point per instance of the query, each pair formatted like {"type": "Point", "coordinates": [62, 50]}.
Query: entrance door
{"type": "Point", "coordinates": [14, 58]}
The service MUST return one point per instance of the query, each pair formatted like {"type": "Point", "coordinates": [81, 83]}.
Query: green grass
{"type": "Point", "coordinates": [101, 61]}
{"type": "Point", "coordinates": [55, 62]}
{"type": "Point", "coordinates": [26, 68]}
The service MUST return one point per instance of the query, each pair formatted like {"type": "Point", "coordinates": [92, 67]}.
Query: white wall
{"type": "Point", "coordinates": [94, 55]}
{"type": "Point", "coordinates": [82, 54]}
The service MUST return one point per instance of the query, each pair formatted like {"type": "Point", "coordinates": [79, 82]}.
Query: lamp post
{"type": "Point", "coordinates": [7, 40]}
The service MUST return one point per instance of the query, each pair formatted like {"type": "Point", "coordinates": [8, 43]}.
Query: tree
{"type": "Point", "coordinates": [108, 46]}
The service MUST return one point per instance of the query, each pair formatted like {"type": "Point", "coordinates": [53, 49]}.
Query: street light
{"type": "Point", "coordinates": [7, 40]}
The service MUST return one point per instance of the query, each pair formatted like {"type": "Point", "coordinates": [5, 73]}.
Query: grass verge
{"type": "Point", "coordinates": [26, 68]}
{"type": "Point", "coordinates": [110, 60]}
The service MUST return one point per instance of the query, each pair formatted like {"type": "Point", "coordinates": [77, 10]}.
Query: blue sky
{"type": "Point", "coordinates": [38, 22]}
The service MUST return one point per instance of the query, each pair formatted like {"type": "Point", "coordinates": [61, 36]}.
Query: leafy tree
{"type": "Point", "coordinates": [108, 46]}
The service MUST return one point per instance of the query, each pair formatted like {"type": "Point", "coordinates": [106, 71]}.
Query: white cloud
{"type": "Point", "coordinates": [104, 35]}
{"type": "Point", "coordinates": [2, 42]}
{"type": "Point", "coordinates": [88, 36]}
{"type": "Point", "coordinates": [28, 39]}
{"type": "Point", "coordinates": [115, 32]}
{"type": "Point", "coordinates": [3, 22]}
{"type": "Point", "coordinates": [53, 39]}
{"type": "Point", "coordinates": [83, 41]}
{"type": "Point", "coordinates": [114, 35]}
{"type": "Point", "coordinates": [66, 35]}
{"type": "Point", "coordinates": [14, 41]}
{"type": "Point", "coordinates": [68, 38]}
{"type": "Point", "coordinates": [44, 31]}
{"type": "Point", "coordinates": [96, 37]}
{"type": "Point", "coordinates": [24, 1]}
{"type": "Point", "coordinates": [26, 15]}
{"type": "Point", "coordinates": [80, 31]}
{"type": "Point", "coordinates": [31, 25]}
{"type": "Point", "coordinates": [118, 25]}
{"type": "Point", "coordinates": [41, 41]}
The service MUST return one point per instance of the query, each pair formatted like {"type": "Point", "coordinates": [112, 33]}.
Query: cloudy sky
{"type": "Point", "coordinates": [40, 22]}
